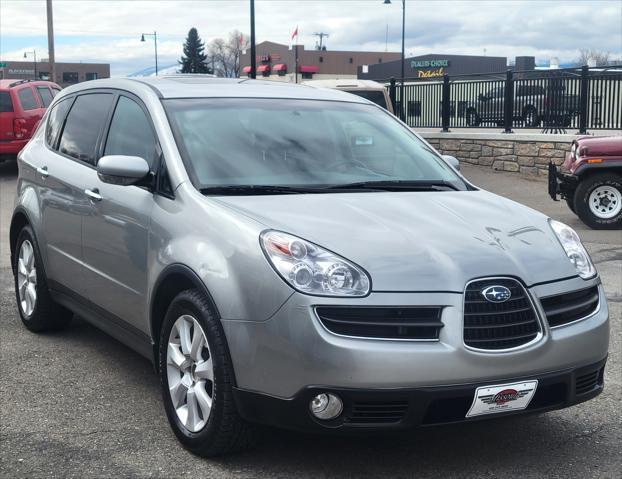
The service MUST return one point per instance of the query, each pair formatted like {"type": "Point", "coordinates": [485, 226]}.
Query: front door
{"type": "Point", "coordinates": [115, 235]}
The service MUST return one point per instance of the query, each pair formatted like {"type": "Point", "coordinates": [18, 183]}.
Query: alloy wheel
{"type": "Point", "coordinates": [605, 202]}
{"type": "Point", "coordinates": [190, 373]}
{"type": "Point", "coordinates": [27, 278]}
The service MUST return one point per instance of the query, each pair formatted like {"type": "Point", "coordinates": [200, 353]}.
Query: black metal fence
{"type": "Point", "coordinates": [551, 100]}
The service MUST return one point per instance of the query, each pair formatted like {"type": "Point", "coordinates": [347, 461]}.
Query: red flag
{"type": "Point", "coordinates": [295, 34]}
{"type": "Point", "coordinates": [241, 38]}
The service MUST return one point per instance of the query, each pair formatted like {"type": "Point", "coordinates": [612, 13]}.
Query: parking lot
{"type": "Point", "coordinates": [80, 404]}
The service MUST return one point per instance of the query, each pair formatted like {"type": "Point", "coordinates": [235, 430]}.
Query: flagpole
{"type": "Point", "coordinates": [296, 54]}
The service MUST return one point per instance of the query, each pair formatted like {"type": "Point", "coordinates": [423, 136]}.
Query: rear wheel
{"type": "Point", "coordinates": [197, 379]}
{"type": "Point", "coordinates": [598, 201]}
{"type": "Point", "coordinates": [36, 308]}
{"type": "Point", "coordinates": [530, 117]}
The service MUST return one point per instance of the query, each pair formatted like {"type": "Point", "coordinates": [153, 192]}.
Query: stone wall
{"type": "Point", "coordinates": [524, 155]}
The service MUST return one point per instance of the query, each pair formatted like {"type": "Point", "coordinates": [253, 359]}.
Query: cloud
{"type": "Point", "coordinates": [108, 31]}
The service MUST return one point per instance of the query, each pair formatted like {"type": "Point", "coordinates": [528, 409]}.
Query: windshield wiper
{"type": "Point", "coordinates": [259, 190]}
{"type": "Point", "coordinates": [393, 185]}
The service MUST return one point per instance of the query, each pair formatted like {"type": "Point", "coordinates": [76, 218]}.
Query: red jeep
{"type": "Point", "coordinates": [22, 105]}
{"type": "Point", "coordinates": [591, 181]}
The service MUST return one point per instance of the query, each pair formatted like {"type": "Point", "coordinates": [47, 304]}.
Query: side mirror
{"type": "Point", "coordinates": [121, 169]}
{"type": "Point", "coordinates": [453, 161]}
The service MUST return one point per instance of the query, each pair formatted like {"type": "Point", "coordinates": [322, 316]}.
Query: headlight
{"type": "Point", "coordinates": [311, 269]}
{"type": "Point", "coordinates": [574, 249]}
{"type": "Point", "coordinates": [573, 151]}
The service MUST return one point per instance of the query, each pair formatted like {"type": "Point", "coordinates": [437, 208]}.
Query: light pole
{"type": "Point", "coordinates": [155, 46]}
{"type": "Point", "coordinates": [34, 54]}
{"type": "Point", "coordinates": [388, 2]}
{"type": "Point", "coordinates": [253, 51]}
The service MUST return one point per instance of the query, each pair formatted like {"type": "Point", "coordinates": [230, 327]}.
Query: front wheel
{"type": "Point", "coordinates": [598, 201]}
{"type": "Point", "coordinates": [197, 379]}
{"type": "Point", "coordinates": [472, 118]}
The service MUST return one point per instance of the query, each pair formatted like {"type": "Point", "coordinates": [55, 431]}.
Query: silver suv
{"type": "Point", "coordinates": [297, 257]}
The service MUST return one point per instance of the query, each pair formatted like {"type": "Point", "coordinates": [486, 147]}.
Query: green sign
{"type": "Point", "coordinates": [2, 64]}
{"type": "Point", "coordinates": [429, 63]}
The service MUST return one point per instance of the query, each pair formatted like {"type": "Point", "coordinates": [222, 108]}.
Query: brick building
{"type": "Point", "coordinates": [277, 62]}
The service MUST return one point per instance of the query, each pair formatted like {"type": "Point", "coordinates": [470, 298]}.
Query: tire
{"type": "Point", "coordinates": [36, 308]}
{"type": "Point", "coordinates": [598, 201]}
{"type": "Point", "coordinates": [530, 117]}
{"type": "Point", "coordinates": [570, 203]}
{"type": "Point", "coordinates": [472, 118]}
{"type": "Point", "coordinates": [212, 431]}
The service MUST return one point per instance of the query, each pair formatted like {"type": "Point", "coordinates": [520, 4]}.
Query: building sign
{"type": "Point", "coordinates": [428, 63]}
{"type": "Point", "coordinates": [20, 71]}
{"type": "Point", "coordinates": [430, 73]}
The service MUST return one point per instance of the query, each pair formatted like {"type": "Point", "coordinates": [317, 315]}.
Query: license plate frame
{"type": "Point", "coordinates": [499, 398]}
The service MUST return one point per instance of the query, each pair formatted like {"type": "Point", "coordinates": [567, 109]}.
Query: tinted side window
{"type": "Point", "coordinates": [130, 132]}
{"type": "Point", "coordinates": [84, 125]}
{"type": "Point", "coordinates": [27, 99]}
{"type": "Point", "coordinates": [55, 121]}
{"type": "Point", "coordinates": [45, 95]}
{"type": "Point", "coordinates": [6, 104]}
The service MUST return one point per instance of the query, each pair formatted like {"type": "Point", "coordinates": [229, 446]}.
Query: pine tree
{"type": "Point", "coordinates": [194, 58]}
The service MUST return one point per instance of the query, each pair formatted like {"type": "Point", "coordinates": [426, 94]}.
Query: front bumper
{"type": "Point", "coordinates": [561, 184]}
{"type": "Point", "coordinates": [369, 409]}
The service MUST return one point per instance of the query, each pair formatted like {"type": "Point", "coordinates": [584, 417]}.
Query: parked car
{"type": "Point", "coordinates": [22, 105]}
{"type": "Point", "coordinates": [297, 257]}
{"type": "Point", "coordinates": [591, 181]}
{"type": "Point", "coordinates": [368, 89]}
{"type": "Point", "coordinates": [533, 105]}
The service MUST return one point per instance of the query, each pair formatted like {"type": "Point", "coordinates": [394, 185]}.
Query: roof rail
{"type": "Point", "coordinates": [19, 82]}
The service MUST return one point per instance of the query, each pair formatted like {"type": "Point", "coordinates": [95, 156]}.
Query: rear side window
{"type": "Point", "coordinates": [375, 96]}
{"type": "Point", "coordinates": [130, 132]}
{"type": "Point", "coordinates": [55, 121]}
{"type": "Point", "coordinates": [84, 125]}
{"type": "Point", "coordinates": [27, 99]}
{"type": "Point", "coordinates": [6, 104]}
{"type": "Point", "coordinates": [45, 95]}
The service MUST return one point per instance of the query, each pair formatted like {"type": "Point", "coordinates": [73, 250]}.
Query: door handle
{"type": "Point", "coordinates": [43, 171]}
{"type": "Point", "coordinates": [93, 194]}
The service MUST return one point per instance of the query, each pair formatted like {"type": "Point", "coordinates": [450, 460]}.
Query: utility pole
{"type": "Point", "coordinates": [51, 58]}
{"type": "Point", "coordinates": [321, 36]}
{"type": "Point", "coordinates": [253, 50]}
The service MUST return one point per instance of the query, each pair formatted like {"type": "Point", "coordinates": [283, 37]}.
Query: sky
{"type": "Point", "coordinates": [109, 31]}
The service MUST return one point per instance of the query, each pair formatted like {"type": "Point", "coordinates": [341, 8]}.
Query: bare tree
{"type": "Point", "coordinates": [224, 55]}
{"type": "Point", "coordinates": [595, 58]}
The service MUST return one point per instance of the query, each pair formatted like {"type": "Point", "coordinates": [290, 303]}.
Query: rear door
{"type": "Point", "coordinates": [6, 116]}
{"type": "Point", "coordinates": [69, 161]}
{"type": "Point", "coordinates": [115, 235]}
{"type": "Point", "coordinates": [32, 110]}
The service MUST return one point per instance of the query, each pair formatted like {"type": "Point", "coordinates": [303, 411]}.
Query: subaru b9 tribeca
{"type": "Point", "coordinates": [297, 257]}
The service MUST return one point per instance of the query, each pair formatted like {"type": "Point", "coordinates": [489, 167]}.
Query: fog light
{"type": "Point", "coordinates": [326, 406]}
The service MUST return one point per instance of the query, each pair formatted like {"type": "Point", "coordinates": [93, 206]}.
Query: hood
{"type": "Point", "coordinates": [600, 146]}
{"type": "Point", "coordinates": [419, 241]}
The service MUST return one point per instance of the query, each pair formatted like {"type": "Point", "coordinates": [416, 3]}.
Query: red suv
{"type": "Point", "coordinates": [22, 105]}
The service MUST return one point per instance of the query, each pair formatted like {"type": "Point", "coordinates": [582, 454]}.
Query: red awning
{"type": "Point", "coordinates": [246, 69]}
{"type": "Point", "coordinates": [263, 68]}
{"type": "Point", "coordinates": [309, 69]}
{"type": "Point", "coordinates": [279, 67]}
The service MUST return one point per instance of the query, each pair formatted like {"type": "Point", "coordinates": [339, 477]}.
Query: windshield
{"type": "Point", "coordinates": [376, 96]}
{"type": "Point", "coordinates": [298, 143]}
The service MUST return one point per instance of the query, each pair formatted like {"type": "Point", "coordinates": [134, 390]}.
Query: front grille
{"type": "Point", "coordinates": [568, 307]}
{"type": "Point", "coordinates": [415, 323]}
{"type": "Point", "coordinates": [588, 382]}
{"type": "Point", "coordinates": [377, 412]}
{"type": "Point", "coordinates": [494, 326]}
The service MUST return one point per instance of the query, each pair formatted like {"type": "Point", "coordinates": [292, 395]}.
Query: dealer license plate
{"type": "Point", "coordinates": [502, 398]}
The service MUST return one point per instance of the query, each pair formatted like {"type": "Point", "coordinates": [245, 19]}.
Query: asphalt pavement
{"type": "Point", "coordinates": [78, 404]}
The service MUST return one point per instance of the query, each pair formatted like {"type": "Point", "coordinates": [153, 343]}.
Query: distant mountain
{"type": "Point", "coordinates": [150, 71]}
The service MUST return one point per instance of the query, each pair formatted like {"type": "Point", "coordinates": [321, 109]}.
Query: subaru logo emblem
{"type": "Point", "coordinates": [496, 294]}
